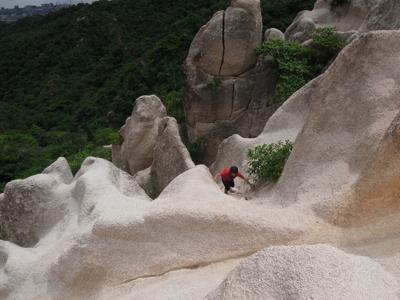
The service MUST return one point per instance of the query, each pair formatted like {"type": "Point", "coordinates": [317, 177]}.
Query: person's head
{"type": "Point", "coordinates": [234, 171]}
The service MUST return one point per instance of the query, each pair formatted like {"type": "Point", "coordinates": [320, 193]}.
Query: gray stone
{"type": "Point", "coordinates": [273, 34]}
{"type": "Point", "coordinates": [139, 134]}
{"type": "Point", "coordinates": [170, 156]}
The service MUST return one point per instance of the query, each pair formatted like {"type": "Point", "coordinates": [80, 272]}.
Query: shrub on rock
{"type": "Point", "coordinates": [267, 161]}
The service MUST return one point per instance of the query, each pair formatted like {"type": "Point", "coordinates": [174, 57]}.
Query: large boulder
{"type": "Point", "coordinates": [307, 272]}
{"type": "Point", "coordinates": [225, 45]}
{"type": "Point", "coordinates": [170, 156]}
{"type": "Point", "coordinates": [30, 208]}
{"type": "Point", "coordinates": [350, 19]}
{"type": "Point", "coordinates": [139, 135]}
{"type": "Point", "coordinates": [273, 34]}
{"type": "Point", "coordinates": [227, 90]}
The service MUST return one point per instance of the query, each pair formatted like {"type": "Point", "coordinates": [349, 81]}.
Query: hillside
{"type": "Point", "coordinates": [68, 79]}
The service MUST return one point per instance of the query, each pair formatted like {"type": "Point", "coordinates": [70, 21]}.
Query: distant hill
{"type": "Point", "coordinates": [68, 79]}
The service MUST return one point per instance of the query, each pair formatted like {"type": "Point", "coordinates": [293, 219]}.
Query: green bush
{"type": "Point", "coordinates": [336, 3]}
{"type": "Point", "coordinates": [266, 162]}
{"type": "Point", "coordinates": [294, 66]}
{"type": "Point", "coordinates": [327, 42]}
{"type": "Point", "coordinates": [173, 102]}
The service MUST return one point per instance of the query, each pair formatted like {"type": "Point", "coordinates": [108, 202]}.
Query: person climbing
{"type": "Point", "coordinates": [228, 176]}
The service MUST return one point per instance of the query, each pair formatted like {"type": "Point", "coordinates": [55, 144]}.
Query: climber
{"type": "Point", "coordinates": [228, 176]}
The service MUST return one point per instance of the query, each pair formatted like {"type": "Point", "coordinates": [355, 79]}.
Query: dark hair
{"type": "Point", "coordinates": [234, 169]}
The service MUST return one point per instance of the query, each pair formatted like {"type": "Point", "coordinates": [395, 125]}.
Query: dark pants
{"type": "Point", "coordinates": [228, 185]}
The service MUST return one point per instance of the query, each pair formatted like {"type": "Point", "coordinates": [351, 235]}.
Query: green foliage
{"type": "Point", "coordinates": [327, 41]}
{"type": "Point", "coordinates": [266, 162]}
{"type": "Point", "coordinates": [214, 84]}
{"type": "Point", "coordinates": [107, 136]}
{"type": "Point", "coordinates": [337, 3]}
{"type": "Point", "coordinates": [23, 154]}
{"type": "Point", "coordinates": [196, 150]}
{"type": "Point", "coordinates": [296, 64]}
{"type": "Point", "coordinates": [173, 102]}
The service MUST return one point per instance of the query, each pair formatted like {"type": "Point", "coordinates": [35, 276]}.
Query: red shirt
{"type": "Point", "coordinates": [226, 175]}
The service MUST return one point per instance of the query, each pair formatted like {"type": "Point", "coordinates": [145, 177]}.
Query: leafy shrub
{"type": "Point", "coordinates": [267, 161]}
{"type": "Point", "coordinates": [173, 102]}
{"type": "Point", "coordinates": [336, 3]}
{"type": "Point", "coordinates": [327, 42]}
{"type": "Point", "coordinates": [294, 65]}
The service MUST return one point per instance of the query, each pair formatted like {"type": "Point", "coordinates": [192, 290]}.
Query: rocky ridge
{"type": "Point", "coordinates": [98, 234]}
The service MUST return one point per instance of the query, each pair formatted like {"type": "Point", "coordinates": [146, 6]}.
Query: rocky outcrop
{"type": "Point", "coordinates": [273, 34]}
{"type": "Point", "coordinates": [350, 19]}
{"type": "Point", "coordinates": [307, 272]}
{"type": "Point", "coordinates": [139, 135]}
{"type": "Point", "coordinates": [30, 208]}
{"type": "Point", "coordinates": [152, 150]}
{"type": "Point", "coordinates": [112, 222]}
{"type": "Point", "coordinates": [170, 156]}
{"type": "Point", "coordinates": [227, 90]}
{"type": "Point", "coordinates": [344, 138]}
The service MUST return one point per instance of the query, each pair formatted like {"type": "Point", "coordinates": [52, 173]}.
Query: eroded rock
{"type": "Point", "coordinates": [307, 272]}
{"type": "Point", "coordinates": [139, 134]}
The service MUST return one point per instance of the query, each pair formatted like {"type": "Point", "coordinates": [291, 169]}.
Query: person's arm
{"type": "Point", "coordinates": [245, 179]}
{"type": "Point", "coordinates": [216, 177]}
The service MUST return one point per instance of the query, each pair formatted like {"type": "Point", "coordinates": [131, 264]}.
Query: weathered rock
{"type": "Point", "coordinates": [220, 97]}
{"type": "Point", "coordinates": [273, 34]}
{"type": "Point", "coordinates": [350, 19]}
{"type": "Point", "coordinates": [170, 156]}
{"type": "Point", "coordinates": [30, 208]}
{"type": "Point", "coordinates": [114, 233]}
{"type": "Point", "coordinates": [383, 16]}
{"type": "Point", "coordinates": [139, 134]}
{"type": "Point", "coordinates": [345, 138]}
{"type": "Point", "coordinates": [225, 45]}
{"type": "Point", "coordinates": [235, 105]}
{"type": "Point", "coordinates": [61, 170]}
{"type": "Point", "coordinates": [307, 272]}
{"type": "Point", "coordinates": [242, 34]}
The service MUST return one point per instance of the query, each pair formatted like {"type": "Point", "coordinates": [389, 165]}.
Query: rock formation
{"type": "Point", "coordinates": [341, 135]}
{"type": "Point", "coordinates": [307, 272]}
{"type": "Point", "coordinates": [228, 91]}
{"type": "Point", "coordinates": [152, 149]}
{"type": "Point", "coordinates": [99, 235]}
{"type": "Point", "coordinates": [113, 232]}
{"type": "Point", "coordinates": [170, 156]}
{"type": "Point", "coordinates": [273, 34]}
{"type": "Point", "coordinates": [351, 19]}
{"type": "Point", "coordinates": [139, 135]}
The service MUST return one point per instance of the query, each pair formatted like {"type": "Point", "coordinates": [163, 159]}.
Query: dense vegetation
{"type": "Point", "coordinates": [297, 64]}
{"type": "Point", "coordinates": [71, 77]}
{"type": "Point", "coordinates": [266, 162]}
